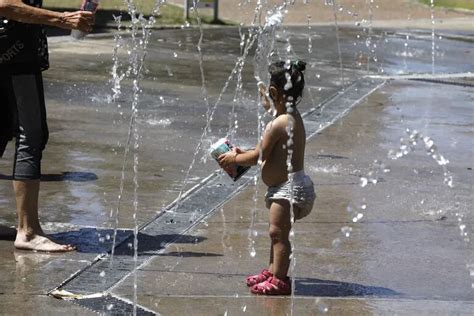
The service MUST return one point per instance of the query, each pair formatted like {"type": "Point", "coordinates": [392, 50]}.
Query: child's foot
{"type": "Point", "coordinates": [259, 278]}
{"type": "Point", "coordinates": [272, 286]}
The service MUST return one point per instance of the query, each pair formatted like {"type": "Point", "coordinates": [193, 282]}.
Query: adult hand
{"type": "Point", "coordinates": [79, 20]}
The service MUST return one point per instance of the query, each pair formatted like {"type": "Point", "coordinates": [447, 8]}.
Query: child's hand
{"type": "Point", "coordinates": [228, 159]}
{"type": "Point", "coordinates": [262, 88]}
{"type": "Point", "coordinates": [263, 94]}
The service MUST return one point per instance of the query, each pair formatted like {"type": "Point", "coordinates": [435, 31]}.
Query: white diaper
{"type": "Point", "coordinates": [303, 194]}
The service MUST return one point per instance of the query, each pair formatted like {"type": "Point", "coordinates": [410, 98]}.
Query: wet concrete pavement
{"type": "Point", "coordinates": [400, 14]}
{"type": "Point", "coordinates": [400, 257]}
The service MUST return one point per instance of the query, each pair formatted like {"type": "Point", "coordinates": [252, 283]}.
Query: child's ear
{"type": "Point", "coordinates": [273, 93]}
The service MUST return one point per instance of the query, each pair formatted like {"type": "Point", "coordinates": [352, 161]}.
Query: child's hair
{"type": "Point", "coordinates": [288, 78]}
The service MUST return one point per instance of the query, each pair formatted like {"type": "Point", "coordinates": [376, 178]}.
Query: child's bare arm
{"type": "Point", "coordinates": [273, 132]}
{"type": "Point", "coordinates": [246, 158]}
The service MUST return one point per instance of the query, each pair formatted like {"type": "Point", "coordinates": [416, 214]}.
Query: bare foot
{"type": "Point", "coordinates": [7, 233]}
{"type": "Point", "coordinates": [40, 243]}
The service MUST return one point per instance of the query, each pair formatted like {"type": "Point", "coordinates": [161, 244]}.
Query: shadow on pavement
{"type": "Point", "coordinates": [93, 240]}
{"type": "Point", "coordinates": [190, 254]}
{"type": "Point", "coordinates": [64, 176]}
{"type": "Point", "coordinates": [7, 233]}
{"type": "Point", "coordinates": [326, 288]}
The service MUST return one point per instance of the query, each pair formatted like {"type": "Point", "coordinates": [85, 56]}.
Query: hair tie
{"type": "Point", "coordinates": [299, 65]}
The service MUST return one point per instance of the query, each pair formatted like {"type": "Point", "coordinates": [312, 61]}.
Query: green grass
{"type": "Point", "coordinates": [454, 4]}
{"type": "Point", "coordinates": [169, 14]}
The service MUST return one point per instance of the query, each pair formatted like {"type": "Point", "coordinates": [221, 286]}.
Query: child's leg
{"type": "Point", "coordinates": [270, 267]}
{"type": "Point", "coordinates": [280, 226]}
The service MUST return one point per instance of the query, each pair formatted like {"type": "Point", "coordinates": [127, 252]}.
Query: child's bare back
{"type": "Point", "coordinates": [274, 168]}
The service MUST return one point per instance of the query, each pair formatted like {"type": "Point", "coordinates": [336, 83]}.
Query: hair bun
{"type": "Point", "coordinates": [299, 65]}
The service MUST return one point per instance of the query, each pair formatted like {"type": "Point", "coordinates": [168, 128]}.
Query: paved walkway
{"type": "Point", "coordinates": [385, 13]}
{"type": "Point", "coordinates": [403, 255]}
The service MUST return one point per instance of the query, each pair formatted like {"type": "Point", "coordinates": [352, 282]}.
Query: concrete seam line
{"type": "Point", "coordinates": [347, 110]}
{"type": "Point", "coordinates": [104, 304]}
{"type": "Point", "coordinates": [457, 75]}
{"type": "Point", "coordinates": [439, 81]}
{"type": "Point", "coordinates": [348, 298]}
{"type": "Point", "coordinates": [189, 228]}
{"type": "Point", "coordinates": [327, 100]}
{"type": "Point", "coordinates": [102, 256]}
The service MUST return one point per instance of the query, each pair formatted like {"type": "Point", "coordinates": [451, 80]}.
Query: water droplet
{"type": "Point", "coordinates": [102, 274]}
{"type": "Point", "coordinates": [358, 217]}
{"type": "Point", "coordinates": [253, 253]}
{"type": "Point", "coordinates": [470, 267]}
{"type": "Point", "coordinates": [321, 306]}
{"type": "Point", "coordinates": [448, 180]}
{"type": "Point", "coordinates": [346, 230]}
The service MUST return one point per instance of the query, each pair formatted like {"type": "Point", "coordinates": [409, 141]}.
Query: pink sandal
{"type": "Point", "coordinates": [259, 278]}
{"type": "Point", "coordinates": [272, 286]}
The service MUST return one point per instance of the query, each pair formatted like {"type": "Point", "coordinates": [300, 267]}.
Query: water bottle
{"type": "Point", "coordinates": [87, 5]}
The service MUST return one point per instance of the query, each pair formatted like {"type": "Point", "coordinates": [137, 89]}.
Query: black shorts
{"type": "Point", "coordinates": [22, 101]}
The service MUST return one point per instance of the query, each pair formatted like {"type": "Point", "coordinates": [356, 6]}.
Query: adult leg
{"type": "Point", "coordinates": [5, 132]}
{"type": "Point", "coordinates": [280, 226]}
{"type": "Point", "coordinates": [31, 139]}
{"type": "Point", "coordinates": [30, 236]}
